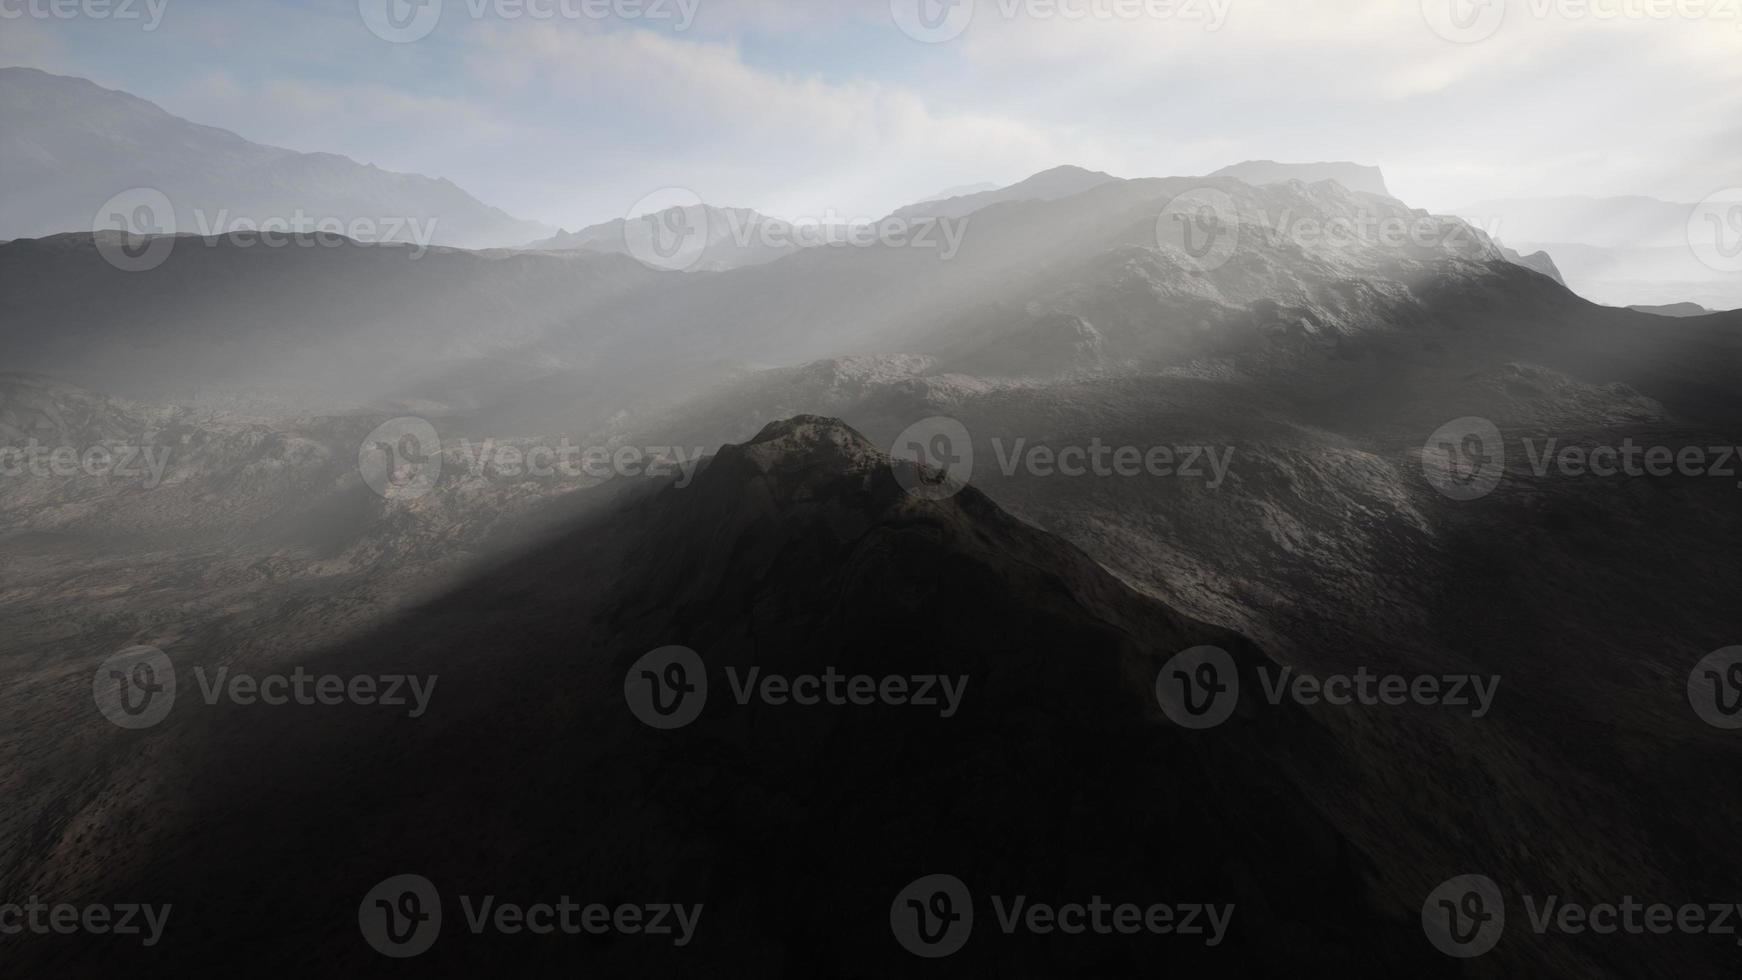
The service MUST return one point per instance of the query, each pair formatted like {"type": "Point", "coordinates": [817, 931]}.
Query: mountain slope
{"type": "Point", "coordinates": [794, 826]}
{"type": "Point", "coordinates": [67, 146]}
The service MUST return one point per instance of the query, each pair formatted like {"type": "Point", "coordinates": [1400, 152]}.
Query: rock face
{"type": "Point", "coordinates": [68, 145]}
{"type": "Point", "coordinates": [1354, 176]}
{"type": "Point", "coordinates": [795, 827]}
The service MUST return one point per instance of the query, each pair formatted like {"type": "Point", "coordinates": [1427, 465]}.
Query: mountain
{"type": "Point", "coordinates": [1354, 176]}
{"type": "Point", "coordinates": [795, 553]}
{"type": "Point", "coordinates": [1048, 185]}
{"type": "Point", "coordinates": [68, 146]}
{"type": "Point", "coordinates": [571, 335]}
{"type": "Point", "coordinates": [317, 324]}
{"type": "Point", "coordinates": [1306, 375]}
{"type": "Point", "coordinates": [1674, 309]}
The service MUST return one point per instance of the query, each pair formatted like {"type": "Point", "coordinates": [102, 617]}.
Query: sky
{"type": "Point", "coordinates": [571, 111]}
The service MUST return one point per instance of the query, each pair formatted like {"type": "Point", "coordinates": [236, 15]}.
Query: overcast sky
{"type": "Point", "coordinates": [806, 108]}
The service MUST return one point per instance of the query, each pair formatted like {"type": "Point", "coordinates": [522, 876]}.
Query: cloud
{"type": "Point", "coordinates": [798, 109]}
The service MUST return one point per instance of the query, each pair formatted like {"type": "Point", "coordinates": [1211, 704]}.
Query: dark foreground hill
{"type": "Point", "coordinates": [529, 778]}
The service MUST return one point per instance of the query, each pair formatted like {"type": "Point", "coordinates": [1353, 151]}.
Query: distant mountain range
{"type": "Point", "coordinates": [726, 238]}
{"type": "Point", "coordinates": [68, 146]}
{"type": "Point", "coordinates": [1620, 251]}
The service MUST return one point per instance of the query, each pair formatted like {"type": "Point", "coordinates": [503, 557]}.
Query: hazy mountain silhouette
{"type": "Point", "coordinates": [727, 238]}
{"type": "Point", "coordinates": [67, 146]}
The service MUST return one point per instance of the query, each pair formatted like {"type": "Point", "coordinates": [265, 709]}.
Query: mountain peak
{"type": "Point", "coordinates": [803, 451]}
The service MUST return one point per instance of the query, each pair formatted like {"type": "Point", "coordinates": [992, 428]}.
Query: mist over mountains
{"type": "Point", "coordinates": [1306, 580]}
